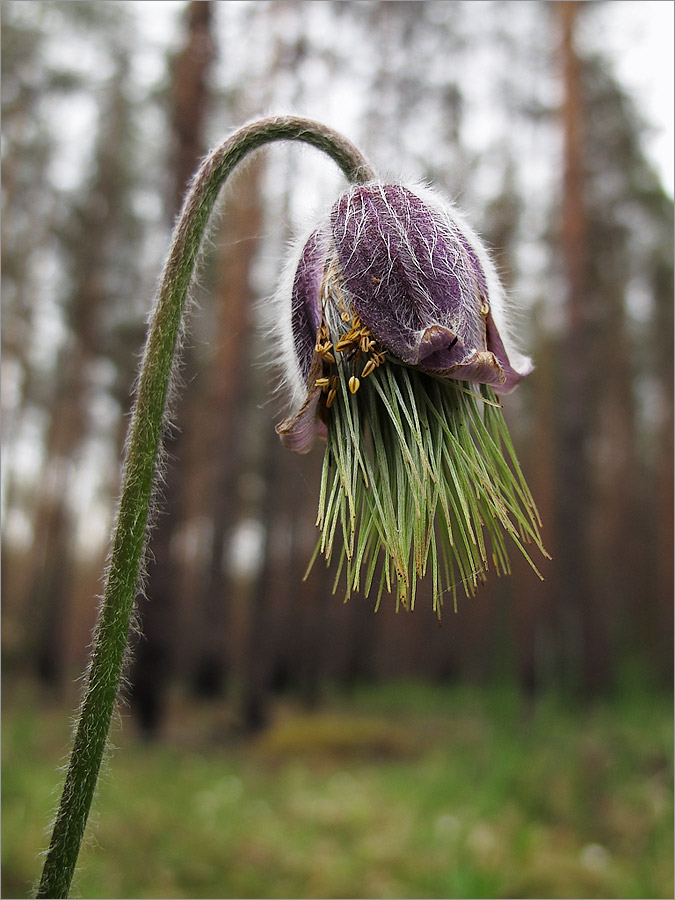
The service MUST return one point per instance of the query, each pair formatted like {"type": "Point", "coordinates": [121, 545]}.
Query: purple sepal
{"type": "Point", "coordinates": [407, 272]}
{"type": "Point", "coordinates": [299, 431]}
{"type": "Point", "coordinates": [416, 281]}
{"type": "Point", "coordinates": [511, 375]}
{"type": "Point", "coordinates": [306, 301]}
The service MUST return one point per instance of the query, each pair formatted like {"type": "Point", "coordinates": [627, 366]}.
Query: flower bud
{"type": "Point", "coordinates": [394, 272]}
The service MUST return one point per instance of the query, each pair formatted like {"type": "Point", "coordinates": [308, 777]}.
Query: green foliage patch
{"type": "Point", "coordinates": [495, 800]}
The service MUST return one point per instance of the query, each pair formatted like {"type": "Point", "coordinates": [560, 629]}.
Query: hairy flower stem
{"type": "Point", "coordinates": [143, 444]}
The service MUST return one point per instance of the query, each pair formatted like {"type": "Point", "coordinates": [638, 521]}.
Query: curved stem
{"type": "Point", "coordinates": [138, 478]}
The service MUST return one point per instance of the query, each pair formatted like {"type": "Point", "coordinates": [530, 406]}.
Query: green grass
{"type": "Point", "coordinates": [406, 791]}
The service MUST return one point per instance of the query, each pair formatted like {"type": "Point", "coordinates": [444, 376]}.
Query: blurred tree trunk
{"type": "Point", "coordinates": [579, 604]}
{"type": "Point", "coordinates": [618, 475]}
{"type": "Point", "coordinates": [663, 487]}
{"type": "Point", "coordinates": [222, 430]}
{"type": "Point", "coordinates": [274, 615]}
{"type": "Point", "coordinates": [52, 555]}
{"type": "Point", "coordinates": [153, 654]}
{"type": "Point", "coordinates": [522, 593]}
{"type": "Point", "coordinates": [89, 261]}
{"type": "Point", "coordinates": [190, 95]}
{"type": "Point", "coordinates": [266, 590]}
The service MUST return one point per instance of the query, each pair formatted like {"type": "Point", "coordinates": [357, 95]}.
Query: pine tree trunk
{"type": "Point", "coordinates": [222, 431]}
{"type": "Point", "coordinates": [580, 607]}
{"type": "Point", "coordinates": [153, 656]}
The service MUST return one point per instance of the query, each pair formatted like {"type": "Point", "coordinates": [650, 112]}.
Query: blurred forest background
{"type": "Point", "coordinates": [504, 112]}
{"type": "Point", "coordinates": [511, 109]}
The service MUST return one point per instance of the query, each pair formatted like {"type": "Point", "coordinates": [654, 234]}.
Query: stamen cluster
{"type": "Point", "coordinates": [356, 345]}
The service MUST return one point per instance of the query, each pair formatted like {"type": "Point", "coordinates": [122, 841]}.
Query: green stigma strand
{"type": "Point", "coordinates": [419, 477]}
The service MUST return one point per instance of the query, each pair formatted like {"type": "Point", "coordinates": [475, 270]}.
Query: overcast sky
{"type": "Point", "coordinates": [639, 35]}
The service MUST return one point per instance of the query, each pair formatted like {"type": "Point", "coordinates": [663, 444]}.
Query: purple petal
{"type": "Point", "coordinates": [511, 375]}
{"type": "Point", "coordinates": [298, 432]}
{"type": "Point", "coordinates": [411, 276]}
{"type": "Point", "coordinates": [306, 301]}
{"type": "Point", "coordinates": [482, 368]}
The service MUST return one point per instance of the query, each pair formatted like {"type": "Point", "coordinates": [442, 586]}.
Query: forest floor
{"type": "Point", "coordinates": [397, 791]}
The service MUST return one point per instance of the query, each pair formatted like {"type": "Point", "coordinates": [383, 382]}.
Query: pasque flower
{"type": "Point", "coordinates": [391, 301]}
{"type": "Point", "coordinates": [395, 337]}
{"type": "Point", "coordinates": [393, 334]}
{"type": "Point", "coordinates": [393, 273]}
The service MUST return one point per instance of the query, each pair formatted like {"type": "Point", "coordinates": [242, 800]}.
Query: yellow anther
{"type": "Point", "coordinates": [323, 383]}
{"type": "Point", "coordinates": [332, 394]}
{"type": "Point", "coordinates": [485, 308]}
{"type": "Point", "coordinates": [368, 368]}
{"type": "Point", "coordinates": [345, 341]}
{"type": "Point", "coordinates": [324, 352]}
{"type": "Point", "coordinates": [354, 384]}
{"type": "Point", "coordinates": [345, 317]}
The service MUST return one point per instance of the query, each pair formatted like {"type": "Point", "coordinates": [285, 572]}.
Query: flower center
{"type": "Point", "coordinates": [345, 345]}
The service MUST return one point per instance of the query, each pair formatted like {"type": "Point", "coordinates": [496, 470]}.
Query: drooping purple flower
{"type": "Point", "coordinates": [394, 273]}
